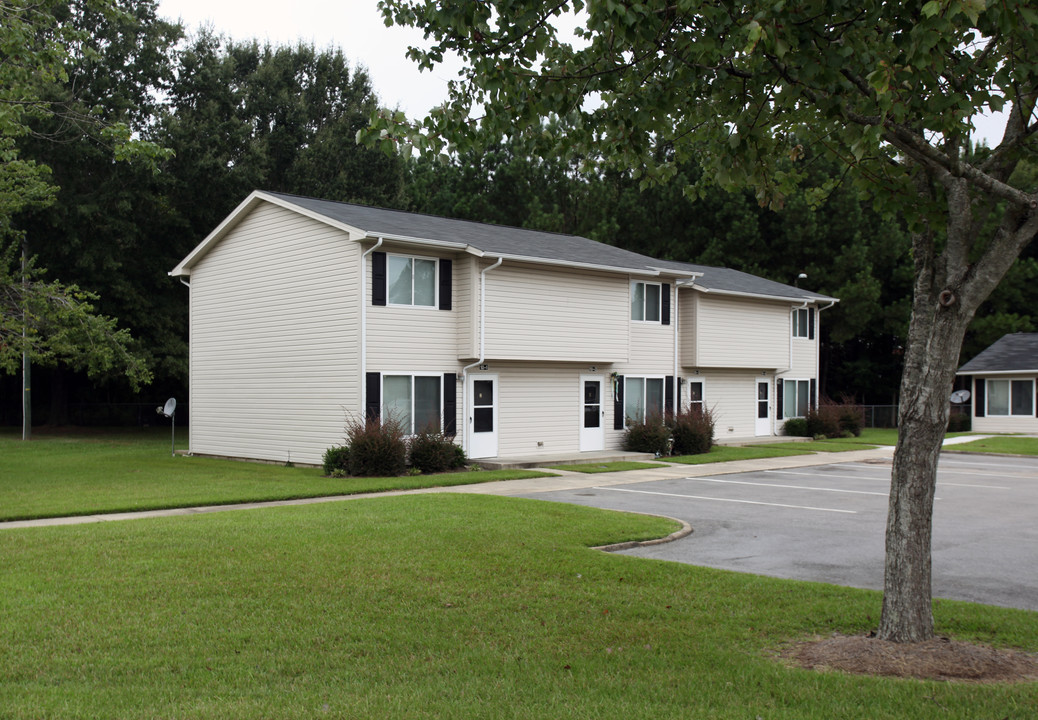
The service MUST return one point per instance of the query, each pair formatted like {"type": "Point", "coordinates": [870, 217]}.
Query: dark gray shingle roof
{"type": "Point", "coordinates": [535, 244]}
{"type": "Point", "coordinates": [490, 239]}
{"type": "Point", "coordinates": [1015, 352]}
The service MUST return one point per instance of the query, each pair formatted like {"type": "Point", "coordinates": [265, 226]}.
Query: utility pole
{"type": "Point", "coordinates": [26, 365]}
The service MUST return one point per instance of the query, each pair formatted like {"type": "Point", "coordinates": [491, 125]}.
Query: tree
{"type": "Point", "coordinates": [50, 320]}
{"type": "Point", "coordinates": [886, 90]}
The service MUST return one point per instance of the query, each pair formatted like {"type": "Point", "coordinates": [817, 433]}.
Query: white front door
{"type": "Point", "coordinates": [592, 413]}
{"type": "Point", "coordinates": [482, 416]}
{"type": "Point", "coordinates": [763, 409]}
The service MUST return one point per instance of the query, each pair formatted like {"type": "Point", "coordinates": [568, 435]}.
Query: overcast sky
{"type": "Point", "coordinates": [357, 27]}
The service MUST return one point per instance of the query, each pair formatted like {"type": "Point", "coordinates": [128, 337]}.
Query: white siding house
{"type": "Point", "coordinates": [305, 312]}
{"type": "Point", "coordinates": [1004, 385]}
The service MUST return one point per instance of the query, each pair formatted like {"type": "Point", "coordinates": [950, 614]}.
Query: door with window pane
{"type": "Point", "coordinates": [482, 416]}
{"type": "Point", "coordinates": [592, 413]}
{"type": "Point", "coordinates": [763, 423]}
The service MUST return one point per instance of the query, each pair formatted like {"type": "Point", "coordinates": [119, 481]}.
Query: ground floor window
{"type": "Point", "coordinates": [643, 398]}
{"type": "Point", "coordinates": [413, 401]}
{"type": "Point", "coordinates": [1011, 397]}
{"type": "Point", "coordinates": [796, 398]}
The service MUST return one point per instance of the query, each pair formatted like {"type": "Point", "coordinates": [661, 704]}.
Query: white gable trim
{"type": "Point", "coordinates": [759, 296]}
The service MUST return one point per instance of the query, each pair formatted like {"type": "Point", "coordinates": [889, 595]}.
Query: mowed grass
{"type": "Point", "coordinates": [1008, 445]}
{"type": "Point", "coordinates": [608, 467]}
{"type": "Point", "coordinates": [122, 471]}
{"type": "Point", "coordinates": [434, 606]}
{"type": "Point", "coordinates": [727, 453]}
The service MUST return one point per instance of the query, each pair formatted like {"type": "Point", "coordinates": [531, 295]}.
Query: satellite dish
{"type": "Point", "coordinates": [170, 407]}
{"type": "Point", "coordinates": [960, 396]}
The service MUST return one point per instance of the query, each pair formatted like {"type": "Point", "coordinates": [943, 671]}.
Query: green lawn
{"type": "Point", "coordinates": [607, 467]}
{"type": "Point", "coordinates": [434, 606]}
{"type": "Point", "coordinates": [726, 453]}
{"type": "Point", "coordinates": [93, 472]}
{"type": "Point", "coordinates": [1009, 445]}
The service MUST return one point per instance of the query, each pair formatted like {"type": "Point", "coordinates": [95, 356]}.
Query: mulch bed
{"type": "Point", "coordinates": [937, 659]}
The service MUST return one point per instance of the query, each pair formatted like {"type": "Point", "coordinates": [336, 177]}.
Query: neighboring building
{"type": "Point", "coordinates": [305, 311]}
{"type": "Point", "coordinates": [1003, 383]}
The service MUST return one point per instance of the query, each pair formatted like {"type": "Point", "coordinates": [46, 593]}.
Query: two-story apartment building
{"type": "Point", "coordinates": [520, 342]}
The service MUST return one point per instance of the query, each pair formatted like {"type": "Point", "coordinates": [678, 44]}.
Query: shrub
{"type": "Point", "coordinates": [377, 449]}
{"type": "Point", "coordinates": [796, 427]}
{"type": "Point", "coordinates": [823, 421]}
{"type": "Point", "coordinates": [336, 459]}
{"type": "Point", "coordinates": [433, 452]}
{"type": "Point", "coordinates": [652, 436]}
{"type": "Point", "coordinates": [692, 432]}
{"type": "Point", "coordinates": [959, 421]}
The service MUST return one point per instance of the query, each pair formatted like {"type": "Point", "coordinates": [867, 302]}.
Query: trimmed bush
{"type": "Point", "coordinates": [823, 422]}
{"type": "Point", "coordinates": [692, 432]}
{"type": "Point", "coordinates": [433, 452]}
{"type": "Point", "coordinates": [377, 449]}
{"type": "Point", "coordinates": [651, 436]}
{"type": "Point", "coordinates": [336, 459]}
{"type": "Point", "coordinates": [795, 427]}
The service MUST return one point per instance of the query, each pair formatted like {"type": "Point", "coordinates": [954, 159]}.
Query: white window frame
{"type": "Point", "coordinates": [644, 304]}
{"type": "Point", "coordinates": [643, 378]}
{"type": "Point", "coordinates": [1009, 397]}
{"type": "Point", "coordinates": [413, 258]}
{"type": "Point", "coordinates": [785, 395]}
{"type": "Point", "coordinates": [800, 323]}
{"type": "Point", "coordinates": [383, 410]}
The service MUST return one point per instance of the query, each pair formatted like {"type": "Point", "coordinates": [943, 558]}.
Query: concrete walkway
{"type": "Point", "coordinates": [564, 480]}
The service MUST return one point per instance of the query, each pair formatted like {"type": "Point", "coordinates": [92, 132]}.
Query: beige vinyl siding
{"type": "Point", "coordinates": [688, 304]}
{"type": "Point", "coordinates": [543, 313]}
{"type": "Point", "coordinates": [466, 301]}
{"type": "Point", "coordinates": [734, 332]}
{"type": "Point", "coordinates": [412, 339]}
{"type": "Point", "coordinates": [537, 403]}
{"type": "Point", "coordinates": [732, 397]}
{"type": "Point", "coordinates": [274, 327]}
{"type": "Point", "coordinates": [651, 345]}
{"type": "Point", "coordinates": [805, 357]}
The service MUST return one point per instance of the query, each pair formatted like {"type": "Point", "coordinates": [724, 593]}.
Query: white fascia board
{"type": "Point", "coordinates": [980, 373]}
{"type": "Point", "coordinates": [759, 296]}
{"type": "Point", "coordinates": [407, 240]}
{"type": "Point", "coordinates": [573, 264]}
{"type": "Point", "coordinates": [687, 274]}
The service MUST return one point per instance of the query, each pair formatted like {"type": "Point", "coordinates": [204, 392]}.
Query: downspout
{"type": "Point", "coordinates": [818, 350]}
{"type": "Point", "coordinates": [677, 344]}
{"type": "Point", "coordinates": [364, 327]}
{"type": "Point", "coordinates": [482, 349]}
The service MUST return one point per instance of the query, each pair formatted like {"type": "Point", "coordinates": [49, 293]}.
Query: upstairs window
{"type": "Point", "coordinates": [412, 281]}
{"type": "Point", "coordinates": [645, 302]}
{"type": "Point", "coordinates": [801, 322]}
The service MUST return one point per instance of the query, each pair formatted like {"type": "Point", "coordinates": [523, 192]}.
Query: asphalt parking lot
{"type": "Point", "coordinates": [826, 523]}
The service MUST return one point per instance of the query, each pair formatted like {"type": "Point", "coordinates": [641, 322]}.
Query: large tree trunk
{"type": "Point", "coordinates": [935, 336]}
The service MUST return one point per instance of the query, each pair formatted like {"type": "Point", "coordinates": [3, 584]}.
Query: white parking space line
{"type": "Point", "coordinates": [974, 463]}
{"type": "Point", "coordinates": [788, 487]}
{"type": "Point", "coordinates": [949, 471]}
{"type": "Point", "coordinates": [983, 487]}
{"type": "Point", "coordinates": [885, 478]}
{"type": "Point", "coordinates": [731, 500]}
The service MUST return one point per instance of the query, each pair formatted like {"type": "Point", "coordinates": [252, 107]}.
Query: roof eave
{"type": "Point", "coordinates": [1022, 371]}
{"type": "Point", "coordinates": [762, 296]}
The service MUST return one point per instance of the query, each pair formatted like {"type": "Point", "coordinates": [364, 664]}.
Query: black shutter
{"type": "Point", "coordinates": [618, 404]}
{"type": "Point", "coordinates": [450, 403]}
{"type": "Point", "coordinates": [810, 323]}
{"type": "Point", "coordinates": [373, 403]}
{"type": "Point", "coordinates": [812, 402]}
{"type": "Point", "coordinates": [978, 397]}
{"type": "Point", "coordinates": [668, 392]}
{"type": "Point", "coordinates": [665, 303]}
{"type": "Point", "coordinates": [778, 399]}
{"type": "Point", "coordinates": [378, 278]}
{"type": "Point", "coordinates": [446, 278]}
